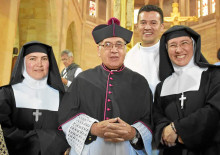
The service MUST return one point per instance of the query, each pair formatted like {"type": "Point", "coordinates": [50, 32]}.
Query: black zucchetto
{"type": "Point", "coordinates": [113, 29]}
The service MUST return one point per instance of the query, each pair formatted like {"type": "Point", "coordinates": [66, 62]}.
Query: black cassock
{"type": "Point", "coordinates": [198, 123]}
{"type": "Point", "coordinates": [104, 94]}
{"type": "Point", "coordinates": [25, 136]}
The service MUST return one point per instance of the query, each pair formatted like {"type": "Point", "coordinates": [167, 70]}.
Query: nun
{"type": "Point", "coordinates": [29, 104]}
{"type": "Point", "coordinates": [186, 111]}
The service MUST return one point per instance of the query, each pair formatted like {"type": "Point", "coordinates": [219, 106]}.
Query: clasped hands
{"type": "Point", "coordinates": [169, 136]}
{"type": "Point", "coordinates": [113, 130]}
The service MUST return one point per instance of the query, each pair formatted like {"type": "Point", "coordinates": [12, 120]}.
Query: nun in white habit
{"type": "Point", "coordinates": [186, 111]}
{"type": "Point", "coordinates": [29, 104]}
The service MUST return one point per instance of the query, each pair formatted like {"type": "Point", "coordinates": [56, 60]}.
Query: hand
{"type": "Point", "coordinates": [169, 136]}
{"type": "Point", "coordinates": [98, 129]}
{"type": "Point", "coordinates": [67, 151]}
{"type": "Point", "coordinates": [180, 140]}
{"type": "Point", "coordinates": [64, 81]}
{"type": "Point", "coordinates": [120, 130]}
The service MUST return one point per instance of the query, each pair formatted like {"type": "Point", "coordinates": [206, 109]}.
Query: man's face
{"type": "Point", "coordinates": [112, 57]}
{"type": "Point", "coordinates": [149, 27]}
{"type": "Point", "coordinates": [37, 65]}
{"type": "Point", "coordinates": [66, 60]}
{"type": "Point", "coordinates": [180, 50]}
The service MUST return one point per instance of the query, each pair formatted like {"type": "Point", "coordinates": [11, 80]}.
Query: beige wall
{"type": "Point", "coordinates": [8, 27]}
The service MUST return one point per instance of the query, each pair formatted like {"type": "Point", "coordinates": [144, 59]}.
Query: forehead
{"type": "Point", "coordinates": [113, 39]}
{"type": "Point", "coordinates": [36, 54]}
{"type": "Point", "coordinates": [148, 16]}
{"type": "Point", "coordinates": [179, 39]}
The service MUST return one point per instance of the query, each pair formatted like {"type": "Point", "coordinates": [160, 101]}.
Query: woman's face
{"type": "Point", "coordinates": [180, 50]}
{"type": "Point", "coordinates": [37, 65]}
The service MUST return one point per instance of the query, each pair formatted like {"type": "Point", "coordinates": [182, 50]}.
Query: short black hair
{"type": "Point", "coordinates": [149, 8]}
{"type": "Point", "coordinates": [218, 54]}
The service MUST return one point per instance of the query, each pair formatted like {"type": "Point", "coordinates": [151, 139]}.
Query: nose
{"type": "Point", "coordinates": [39, 62]}
{"type": "Point", "coordinates": [147, 26]}
{"type": "Point", "coordinates": [178, 49]}
{"type": "Point", "coordinates": [114, 49]}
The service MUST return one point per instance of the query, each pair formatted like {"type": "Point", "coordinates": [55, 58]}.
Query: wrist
{"type": "Point", "coordinates": [93, 129]}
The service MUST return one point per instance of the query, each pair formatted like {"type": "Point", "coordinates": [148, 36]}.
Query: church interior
{"type": "Point", "coordinates": [67, 24]}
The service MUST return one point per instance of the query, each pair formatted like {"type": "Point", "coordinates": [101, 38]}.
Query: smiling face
{"type": "Point", "coordinates": [180, 50]}
{"type": "Point", "coordinates": [149, 27]}
{"type": "Point", "coordinates": [112, 58]}
{"type": "Point", "coordinates": [37, 65]}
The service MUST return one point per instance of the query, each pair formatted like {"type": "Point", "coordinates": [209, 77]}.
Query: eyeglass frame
{"type": "Point", "coordinates": [111, 47]}
{"type": "Point", "coordinates": [175, 46]}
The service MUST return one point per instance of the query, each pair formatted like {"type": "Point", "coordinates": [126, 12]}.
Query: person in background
{"type": "Point", "coordinates": [29, 104]}
{"type": "Point", "coordinates": [71, 69]}
{"type": "Point", "coordinates": [108, 108]}
{"type": "Point", "coordinates": [186, 109]}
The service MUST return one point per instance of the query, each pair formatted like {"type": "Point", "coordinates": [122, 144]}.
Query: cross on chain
{"type": "Point", "coordinates": [37, 114]}
{"type": "Point", "coordinates": [182, 98]}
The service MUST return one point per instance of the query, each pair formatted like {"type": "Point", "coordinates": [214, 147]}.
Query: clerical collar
{"type": "Point", "coordinates": [113, 70]}
{"type": "Point", "coordinates": [149, 47]}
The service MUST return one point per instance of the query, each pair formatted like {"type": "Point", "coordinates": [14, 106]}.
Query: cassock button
{"type": "Point", "coordinates": [108, 109]}
{"type": "Point", "coordinates": [109, 92]}
{"type": "Point", "coordinates": [107, 118]}
{"type": "Point", "coordinates": [109, 100]}
{"type": "Point", "coordinates": [110, 85]}
{"type": "Point", "coordinates": [111, 78]}
{"type": "Point", "coordinates": [111, 73]}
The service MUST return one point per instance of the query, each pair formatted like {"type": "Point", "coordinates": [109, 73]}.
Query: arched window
{"type": "Point", "coordinates": [92, 8]}
{"type": "Point", "coordinates": [205, 7]}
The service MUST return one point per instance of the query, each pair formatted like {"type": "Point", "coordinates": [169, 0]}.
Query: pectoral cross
{"type": "Point", "coordinates": [182, 98]}
{"type": "Point", "coordinates": [175, 18]}
{"type": "Point", "coordinates": [37, 114]}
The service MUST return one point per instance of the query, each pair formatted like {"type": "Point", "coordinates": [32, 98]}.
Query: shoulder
{"type": "Point", "coordinates": [6, 90]}
{"type": "Point", "coordinates": [89, 72]}
{"type": "Point", "coordinates": [133, 49]}
{"type": "Point", "coordinates": [135, 75]}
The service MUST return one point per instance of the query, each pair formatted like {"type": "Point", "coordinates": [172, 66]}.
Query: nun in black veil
{"type": "Point", "coordinates": [29, 104]}
{"type": "Point", "coordinates": [186, 110]}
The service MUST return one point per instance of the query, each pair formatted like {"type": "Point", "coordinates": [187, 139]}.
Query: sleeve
{"type": "Point", "coordinates": [146, 136]}
{"type": "Point", "coordinates": [77, 131]}
{"type": "Point", "coordinates": [201, 125]}
{"type": "Point", "coordinates": [159, 118]}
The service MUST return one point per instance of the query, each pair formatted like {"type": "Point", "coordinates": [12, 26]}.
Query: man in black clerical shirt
{"type": "Point", "coordinates": [108, 108]}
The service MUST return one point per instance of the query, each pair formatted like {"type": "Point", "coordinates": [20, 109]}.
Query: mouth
{"type": "Point", "coordinates": [147, 33]}
{"type": "Point", "coordinates": [114, 58]}
{"type": "Point", "coordinates": [180, 56]}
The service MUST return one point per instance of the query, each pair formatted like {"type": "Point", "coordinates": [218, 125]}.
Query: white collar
{"type": "Point", "coordinates": [35, 94]}
{"type": "Point", "coordinates": [183, 79]}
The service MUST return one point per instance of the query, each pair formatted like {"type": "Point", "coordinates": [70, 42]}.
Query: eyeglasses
{"type": "Point", "coordinates": [183, 44]}
{"type": "Point", "coordinates": [109, 45]}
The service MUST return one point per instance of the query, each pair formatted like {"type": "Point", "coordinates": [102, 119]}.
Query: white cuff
{"type": "Point", "coordinates": [78, 131]}
{"type": "Point", "coordinates": [146, 136]}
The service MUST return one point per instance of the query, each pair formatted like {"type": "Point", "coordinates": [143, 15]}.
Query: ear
{"type": "Point", "coordinates": [162, 27]}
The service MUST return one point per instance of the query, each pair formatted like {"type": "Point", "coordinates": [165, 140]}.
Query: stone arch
{"type": "Point", "coordinates": [72, 42]}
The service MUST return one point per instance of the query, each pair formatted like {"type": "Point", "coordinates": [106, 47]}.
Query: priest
{"type": "Point", "coordinates": [29, 104]}
{"type": "Point", "coordinates": [186, 111]}
{"type": "Point", "coordinates": [108, 108]}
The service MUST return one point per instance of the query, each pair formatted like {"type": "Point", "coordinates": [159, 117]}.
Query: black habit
{"type": "Point", "coordinates": [198, 123]}
{"type": "Point", "coordinates": [23, 135]}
